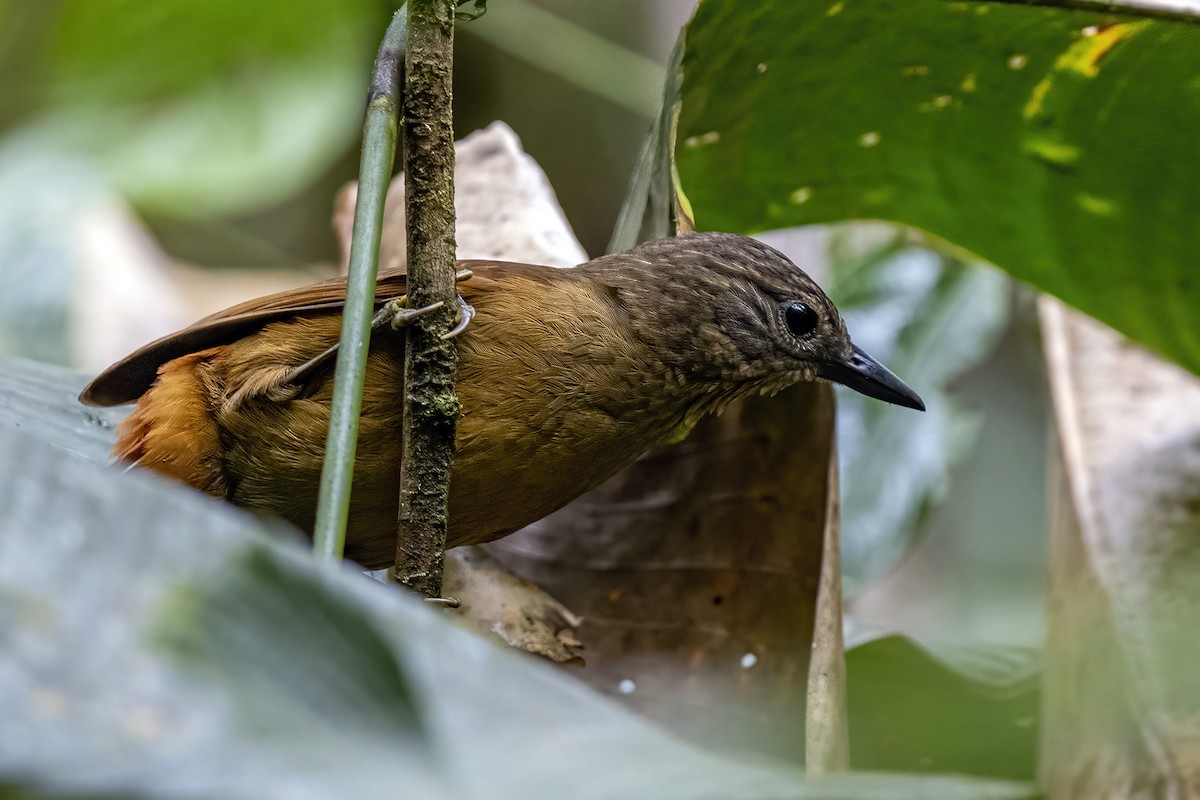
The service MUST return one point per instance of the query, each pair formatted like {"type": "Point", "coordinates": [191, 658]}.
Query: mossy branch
{"type": "Point", "coordinates": [430, 405]}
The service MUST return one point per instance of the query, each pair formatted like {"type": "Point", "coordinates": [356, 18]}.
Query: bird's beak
{"type": "Point", "coordinates": [866, 375]}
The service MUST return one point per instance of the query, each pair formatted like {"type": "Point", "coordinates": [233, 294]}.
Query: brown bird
{"type": "Point", "coordinates": [565, 376]}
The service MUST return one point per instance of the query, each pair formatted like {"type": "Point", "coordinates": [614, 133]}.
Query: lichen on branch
{"type": "Point", "coordinates": [430, 405]}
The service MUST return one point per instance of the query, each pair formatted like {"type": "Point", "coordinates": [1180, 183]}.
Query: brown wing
{"type": "Point", "coordinates": [130, 377]}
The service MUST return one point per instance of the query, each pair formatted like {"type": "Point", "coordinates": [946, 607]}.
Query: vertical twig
{"type": "Point", "coordinates": [430, 405]}
{"type": "Point", "coordinates": [375, 172]}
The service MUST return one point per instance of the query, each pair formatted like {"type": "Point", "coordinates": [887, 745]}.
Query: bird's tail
{"type": "Point", "coordinates": [173, 430]}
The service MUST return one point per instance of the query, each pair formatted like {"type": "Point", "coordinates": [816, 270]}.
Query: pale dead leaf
{"type": "Point", "coordinates": [499, 603]}
{"type": "Point", "coordinates": [1122, 706]}
{"type": "Point", "coordinates": [505, 208]}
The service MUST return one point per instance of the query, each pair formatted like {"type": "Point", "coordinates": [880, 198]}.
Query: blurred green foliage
{"type": "Point", "coordinates": [192, 108]}
{"type": "Point", "coordinates": [931, 318]}
{"type": "Point", "coordinates": [231, 125]}
{"type": "Point", "coordinates": [152, 52]}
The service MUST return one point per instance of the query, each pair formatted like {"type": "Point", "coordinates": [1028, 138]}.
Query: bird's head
{"type": "Point", "coordinates": [728, 310]}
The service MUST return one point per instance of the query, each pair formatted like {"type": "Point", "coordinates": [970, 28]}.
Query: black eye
{"type": "Point", "coordinates": [801, 320]}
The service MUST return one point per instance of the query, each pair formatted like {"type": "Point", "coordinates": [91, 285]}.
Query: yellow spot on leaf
{"type": "Point", "coordinates": [835, 9]}
{"type": "Point", "coordinates": [1081, 58]}
{"type": "Point", "coordinates": [1100, 206]}
{"type": "Point", "coordinates": [1037, 98]}
{"type": "Point", "coordinates": [937, 104]}
{"type": "Point", "coordinates": [801, 195]}
{"type": "Point", "coordinates": [1084, 55]}
{"type": "Point", "coordinates": [1054, 152]}
{"type": "Point", "coordinates": [869, 139]}
{"type": "Point", "coordinates": [969, 84]}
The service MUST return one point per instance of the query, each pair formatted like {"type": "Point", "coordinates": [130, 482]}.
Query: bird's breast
{"type": "Point", "coordinates": [557, 396]}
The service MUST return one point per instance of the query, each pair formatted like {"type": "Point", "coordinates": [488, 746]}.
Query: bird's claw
{"type": "Point", "coordinates": [466, 313]}
{"type": "Point", "coordinates": [397, 314]}
{"type": "Point", "coordinates": [444, 602]}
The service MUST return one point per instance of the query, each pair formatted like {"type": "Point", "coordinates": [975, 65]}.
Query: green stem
{"type": "Point", "coordinates": [375, 172]}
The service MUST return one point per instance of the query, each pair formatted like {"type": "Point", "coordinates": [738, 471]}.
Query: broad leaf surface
{"type": "Point", "coordinates": [158, 644]}
{"type": "Point", "coordinates": [1056, 143]}
{"type": "Point", "coordinates": [40, 400]}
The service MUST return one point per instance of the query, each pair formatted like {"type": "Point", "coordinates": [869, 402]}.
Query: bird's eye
{"type": "Point", "coordinates": [801, 320]}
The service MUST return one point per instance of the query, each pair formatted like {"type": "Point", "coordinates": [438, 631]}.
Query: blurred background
{"type": "Point", "coordinates": [158, 161]}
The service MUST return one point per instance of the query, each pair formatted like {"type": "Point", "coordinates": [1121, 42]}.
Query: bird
{"type": "Point", "coordinates": [564, 377]}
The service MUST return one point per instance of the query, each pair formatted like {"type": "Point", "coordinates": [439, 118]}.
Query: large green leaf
{"type": "Point", "coordinates": [158, 644]}
{"type": "Point", "coordinates": [40, 399]}
{"type": "Point", "coordinates": [1054, 142]}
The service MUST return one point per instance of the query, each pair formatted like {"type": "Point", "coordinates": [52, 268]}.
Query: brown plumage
{"type": "Point", "coordinates": [564, 376]}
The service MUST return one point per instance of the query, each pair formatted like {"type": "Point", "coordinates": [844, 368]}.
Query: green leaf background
{"type": "Point", "coordinates": [931, 318]}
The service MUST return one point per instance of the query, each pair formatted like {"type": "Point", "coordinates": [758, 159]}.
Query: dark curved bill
{"type": "Point", "coordinates": [866, 375]}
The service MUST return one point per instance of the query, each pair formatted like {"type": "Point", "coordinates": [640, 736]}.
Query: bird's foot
{"type": "Point", "coordinates": [444, 602]}
{"type": "Point", "coordinates": [396, 313]}
{"type": "Point", "coordinates": [466, 313]}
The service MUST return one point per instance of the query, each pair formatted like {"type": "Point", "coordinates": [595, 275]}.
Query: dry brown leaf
{"type": "Point", "coordinates": [696, 572]}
